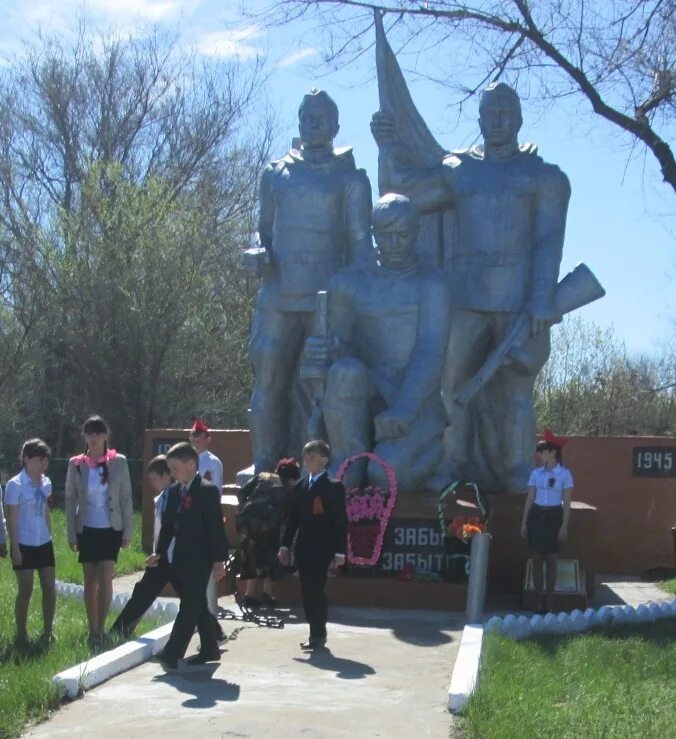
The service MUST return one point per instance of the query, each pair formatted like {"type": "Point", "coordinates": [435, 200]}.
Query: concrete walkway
{"type": "Point", "coordinates": [386, 675]}
{"type": "Point", "coordinates": [619, 590]}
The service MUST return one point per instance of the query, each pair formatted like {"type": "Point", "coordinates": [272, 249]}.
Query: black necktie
{"type": "Point", "coordinates": [182, 491]}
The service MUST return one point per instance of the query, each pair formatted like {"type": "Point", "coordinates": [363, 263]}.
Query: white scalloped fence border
{"type": "Point", "coordinates": [522, 627]}
{"type": "Point", "coordinates": [159, 609]}
{"type": "Point", "coordinates": [465, 676]}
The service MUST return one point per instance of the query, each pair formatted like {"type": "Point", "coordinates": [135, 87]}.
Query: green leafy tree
{"type": "Point", "coordinates": [590, 385]}
{"type": "Point", "coordinates": [128, 169]}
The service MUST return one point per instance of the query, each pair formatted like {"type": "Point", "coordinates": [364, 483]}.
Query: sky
{"type": "Point", "coordinates": [621, 218]}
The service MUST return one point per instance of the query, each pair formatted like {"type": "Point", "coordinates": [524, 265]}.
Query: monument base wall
{"type": "Point", "coordinates": [623, 510]}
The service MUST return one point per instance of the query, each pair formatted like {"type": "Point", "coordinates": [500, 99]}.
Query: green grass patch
{"type": "Point", "coordinates": [68, 569]}
{"type": "Point", "coordinates": [669, 586]}
{"type": "Point", "coordinates": [616, 682]}
{"type": "Point", "coordinates": [26, 691]}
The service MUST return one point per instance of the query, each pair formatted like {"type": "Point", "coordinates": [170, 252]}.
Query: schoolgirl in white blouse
{"type": "Point", "coordinates": [546, 513]}
{"type": "Point", "coordinates": [30, 536]}
{"type": "Point", "coordinates": [99, 518]}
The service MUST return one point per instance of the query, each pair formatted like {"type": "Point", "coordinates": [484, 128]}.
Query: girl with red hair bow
{"type": "Point", "coordinates": [546, 513]}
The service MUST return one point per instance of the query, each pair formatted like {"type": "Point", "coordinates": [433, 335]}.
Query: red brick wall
{"type": "Point", "coordinates": [231, 446]}
{"type": "Point", "coordinates": [635, 514]}
{"type": "Point", "coordinates": [630, 532]}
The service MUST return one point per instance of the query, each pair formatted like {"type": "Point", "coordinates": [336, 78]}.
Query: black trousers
{"type": "Point", "coordinates": [313, 576]}
{"type": "Point", "coordinates": [146, 590]}
{"type": "Point", "coordinates": [143, 596]}
{"type": "Point", "coordinates": [192, 611]}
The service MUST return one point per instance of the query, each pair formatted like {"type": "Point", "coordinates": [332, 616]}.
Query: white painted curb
{"type": "Point", "coordinates": [104, 666]}
{"type": "Point", "coordinates": [466, 669]}
{"type": "Point", "coordinates": [161, 608]}
{"type": "Point", "coordinates": [522, 627]}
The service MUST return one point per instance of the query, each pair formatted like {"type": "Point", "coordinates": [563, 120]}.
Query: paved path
{"type": "Point", "coordinates": [618, 590]}
{"type": "Point", "coordinates": [386, 675]}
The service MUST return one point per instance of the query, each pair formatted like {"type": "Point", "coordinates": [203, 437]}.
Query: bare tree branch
{"type": "Point", "coordinates": [611, 55]}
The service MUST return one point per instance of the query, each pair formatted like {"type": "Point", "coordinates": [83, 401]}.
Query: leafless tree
{"type": "Point", "coordinates": [620, 55]}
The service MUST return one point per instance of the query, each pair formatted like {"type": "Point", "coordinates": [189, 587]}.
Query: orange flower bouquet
{"type": "Point", "coordinates": [464, 528]}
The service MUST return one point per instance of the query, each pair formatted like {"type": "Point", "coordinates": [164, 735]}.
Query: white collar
{"type": "Point", "coordinates": [553, 469]}
{"type": "Point", "coordinates": [24, 479]}
{"type": "Point", "coordinates": [188, 485]}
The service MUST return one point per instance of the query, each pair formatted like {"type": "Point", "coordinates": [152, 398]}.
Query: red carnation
{"type": "Point", "coordinates": [186, 502]}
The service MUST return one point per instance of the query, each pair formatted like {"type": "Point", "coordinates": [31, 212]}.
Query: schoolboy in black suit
{"type": "Point", "coordinates": [317, 513]}
{"type": "Point", "coordinates": [195, 521]}
{"type": "Point", "coordinates": [154, 578]}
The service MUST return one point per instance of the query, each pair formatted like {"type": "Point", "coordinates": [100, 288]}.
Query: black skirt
{"type": "Point", "coordinates": [36, 558]}
{"type": "Point", "coordinates": [543, 526]}
{"type": "Point", "coordinates": [99, 545]}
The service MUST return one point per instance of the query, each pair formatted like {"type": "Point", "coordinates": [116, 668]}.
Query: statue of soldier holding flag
{"type": "Point", "coordinates": [508, 210]}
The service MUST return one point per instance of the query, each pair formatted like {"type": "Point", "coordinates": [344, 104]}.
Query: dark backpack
{"type": "Point", "coordinates": [262, 507]}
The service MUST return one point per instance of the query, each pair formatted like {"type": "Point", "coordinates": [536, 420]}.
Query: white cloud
{"type": "Point", "coordinates": [150, 10]}
{"type": "Point", "coordinates": [297, 56]}
{"type": "Point", "coordinates": [57, 16]}
{"type": "Point", "coordinates": [228, 43]}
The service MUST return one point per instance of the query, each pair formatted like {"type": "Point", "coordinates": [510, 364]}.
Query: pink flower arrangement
{"type": "Point", "coordinates": [365, 504]}
{"type": "Point", "coordinates": [368, 512]}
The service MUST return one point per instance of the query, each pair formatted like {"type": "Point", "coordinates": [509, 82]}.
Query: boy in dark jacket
{"type": "Point", "coordinates": [195, 521]}
{"type": "Point", "coordinates": [317, 513]}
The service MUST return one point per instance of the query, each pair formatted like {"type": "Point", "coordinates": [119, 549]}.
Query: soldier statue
{"type": "Point", "coordinates": [509, 208]}
{"type": "Point", "coordinates": [315, 208]}
{"type": "Point", "coordinates": [389, 324]}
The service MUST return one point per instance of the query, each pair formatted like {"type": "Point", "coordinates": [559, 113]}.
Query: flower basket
{"type": "Point", "coordinates": [457, 534]}
{"type": "Point", "coordinates": [368, 513]}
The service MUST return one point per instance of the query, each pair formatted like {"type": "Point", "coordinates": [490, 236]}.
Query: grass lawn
{"type": "Point", "coordinates": [669, 585]}
{"type": "Point", "coordinates": [26, 691]}
{"type": "Point", "coordinates": [618, 682]}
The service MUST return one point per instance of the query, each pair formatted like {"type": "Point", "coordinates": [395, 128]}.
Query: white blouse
{"type": "Point", "coordinates": [97, 515]}
{"type": "Point", "coordinates": [32, 500]}
{"type": "Point", "coordinates": [550, 484]}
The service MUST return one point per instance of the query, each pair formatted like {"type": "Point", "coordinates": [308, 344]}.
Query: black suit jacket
{"type": "Point", "coordinates": [322, 525]}
{"type": "Point", "coordinates": [197, 524]}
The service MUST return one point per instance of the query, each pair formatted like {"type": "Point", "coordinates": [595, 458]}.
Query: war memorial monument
{"type": "Point", "coordinates": [413, 330]}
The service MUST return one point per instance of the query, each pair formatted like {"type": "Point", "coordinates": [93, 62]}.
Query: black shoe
{"type": "Point", "coordinates": [268, 601]}
{"type": "Point", "coordinates": [313, 643]}
{"type": "Point", "coordinates": [167, 661]}
{"type": "Point", "coordinates": [47, 639]}
{"type": "Point", "coordinates": [201, 659]}
{"type": "Point", "coordinates": [251, 602]}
